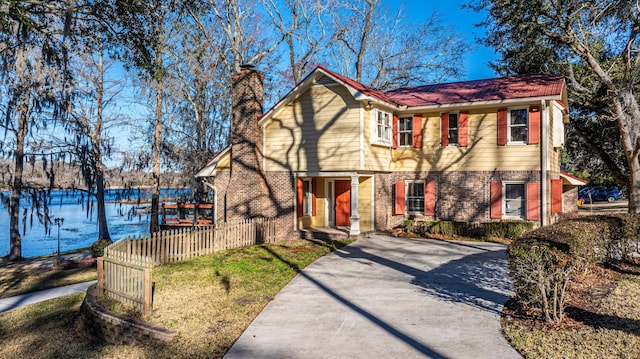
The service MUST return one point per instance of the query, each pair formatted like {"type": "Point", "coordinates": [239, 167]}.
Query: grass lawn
{"type": "Point", "coordinates": [38, 273]}
{"type": "Point", "coordinates": [210, 300]}
{"type": "Point", "coordinates": [603, 321]}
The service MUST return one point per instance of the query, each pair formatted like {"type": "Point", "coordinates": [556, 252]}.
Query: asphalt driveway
{"type": "Point", "coordinates": [386, 297]}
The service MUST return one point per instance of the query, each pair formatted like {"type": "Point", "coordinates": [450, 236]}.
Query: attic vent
{"type": "Point", "coordinates": [324, 80]}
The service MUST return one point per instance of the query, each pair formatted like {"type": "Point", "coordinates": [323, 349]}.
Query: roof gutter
{"type": "Point", "coordinates": [484, 103]}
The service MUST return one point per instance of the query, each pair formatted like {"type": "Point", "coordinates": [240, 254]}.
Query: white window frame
{"type": "Point", "coordinates": [387, 129]}
{"type": "Point", "coordinates": [409, 120]}
{"type": "Point", "coordinates": [523, 202]}
{"type": "Point", "coordinates": [307, 197]}
{"type": "Point", "coordinates": [509, 126]}
{"type": "Point", "coordinates": [406, 196]}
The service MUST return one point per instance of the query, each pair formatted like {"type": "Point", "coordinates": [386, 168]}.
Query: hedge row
{"type": "Point", "coordinates": [505, 229]}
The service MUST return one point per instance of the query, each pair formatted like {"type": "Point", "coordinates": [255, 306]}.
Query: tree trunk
{"type": "Point", "coordinates": [15, 240]}
{"type": "Point", "coordinates": [628, 114]}
{"type": "Point", "coordinates": [103, 228]}
{"type": "Point", "coordinates": [157, 141]}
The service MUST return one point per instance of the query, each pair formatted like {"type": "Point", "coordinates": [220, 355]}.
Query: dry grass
{"type": "Point", "coordinates": [38, 273]}
{"type": "Point", "coordinates": [608, 328]}
{"type": "Point", "coordinates": [209, 300]}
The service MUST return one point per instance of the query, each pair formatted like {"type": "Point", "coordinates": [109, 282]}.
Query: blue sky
{"type": "Point", "coordinates": [462, 21]}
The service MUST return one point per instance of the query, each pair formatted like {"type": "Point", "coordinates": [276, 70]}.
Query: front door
{"type": "Point", "coordinates": [343, 202]}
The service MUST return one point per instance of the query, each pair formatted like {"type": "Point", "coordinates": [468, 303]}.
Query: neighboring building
{"type": "Point", "coordinates": [336, 153]}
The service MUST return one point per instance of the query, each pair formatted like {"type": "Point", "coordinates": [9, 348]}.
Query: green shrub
{"type": "Point", "coordinates": [97, 248]}
{"type": "Point", "coordinates": [408, 225]}
{"type": "Point", "coordinates": [505, 229]}
{"type": "Point", "coordinates": [448, 228]}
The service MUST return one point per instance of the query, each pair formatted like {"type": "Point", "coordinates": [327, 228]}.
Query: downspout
{"type": "Point", "coordinates": [544, 144]}
{"type": "Point", "coordinates": [215, 199]}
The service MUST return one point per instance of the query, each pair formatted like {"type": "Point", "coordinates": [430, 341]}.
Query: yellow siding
{"type": "Point", "coordinates": [320, 131]}
{"type": "Point", "coordinates": [364, 203]}
{"type": "Point", "coordinates": [482, 154]}
{"type": "Point", "coordinates": [225, 163]}
{"type": "Point", "coordinates": [376, 158]}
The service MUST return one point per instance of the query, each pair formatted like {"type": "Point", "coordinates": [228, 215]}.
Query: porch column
{"type": "Point", "coordinates": [354, 229]}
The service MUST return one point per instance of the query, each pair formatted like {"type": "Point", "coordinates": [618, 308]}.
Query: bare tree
{"type": "Point", "coordinates": [33, 64]}
{"type": "Point", "coordinates": [88, 124]}
{"type": "Point", "coordinates": [198, 93]}
{"type": "Point", "coordinates": [385, 51]}
{"type": "Point", "coordinates": [306, 29]}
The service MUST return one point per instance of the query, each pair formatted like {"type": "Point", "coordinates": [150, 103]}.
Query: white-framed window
{"type": "Point", "coordinates": [514, 200]}
{"type": "Point", "coordinates": [518, 125]}
{"type": "Point", "coordinates": [383, 127]}
{"type": "Point", "coordinates": [415, 197]}
{"type": "Point", "coordinates": [405, 131]}
{"type": "Point", "coordinates": [307, 199]}
{"type": "Point", "coordinates": [453, 129]}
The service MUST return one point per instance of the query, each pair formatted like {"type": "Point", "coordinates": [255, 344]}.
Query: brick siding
{"type": "Point", "coordinates": [460, 196]}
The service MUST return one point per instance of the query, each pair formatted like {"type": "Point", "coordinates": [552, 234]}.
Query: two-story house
{"type": "Point", "coordinates": [336, 153]}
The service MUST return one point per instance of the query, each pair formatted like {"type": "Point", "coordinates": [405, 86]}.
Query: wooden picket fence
{"type": "Point", "coordinates": [124, 272]}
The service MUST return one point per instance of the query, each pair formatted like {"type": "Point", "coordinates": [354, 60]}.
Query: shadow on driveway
{"type": "Point", "coordinates": [388, 297]}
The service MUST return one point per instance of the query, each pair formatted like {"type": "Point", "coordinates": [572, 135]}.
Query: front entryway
{"type": "Point", "coordinates": [343, 202]}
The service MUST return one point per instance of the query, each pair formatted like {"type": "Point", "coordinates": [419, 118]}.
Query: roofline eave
{"type": "Point", "coordinates": [484, 103]}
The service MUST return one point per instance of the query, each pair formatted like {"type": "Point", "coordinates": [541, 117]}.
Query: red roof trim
{"type": "Point", "coordinates": [215, 157]}
{"type": "Point", "coordinates": [365, 90]}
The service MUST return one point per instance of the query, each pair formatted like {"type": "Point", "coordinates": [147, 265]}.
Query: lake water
{"type": "Point", "coordinates": [79, 228]}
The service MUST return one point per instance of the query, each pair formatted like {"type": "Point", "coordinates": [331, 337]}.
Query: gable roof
{"type": "Point", "coordinates": [359, 91]}
{"type": "Point", "coordinates": [358, 87]}
{"type": "Point", "coordinates": [504, 88]}
{"type": "Point", "coordinates": [209, 168]}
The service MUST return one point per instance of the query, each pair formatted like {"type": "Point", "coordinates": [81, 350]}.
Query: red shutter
{"type": "Point", "coordinates": [313, 197]}
{"type": "Point", "coordinates": [299, 196]}
{"type": "Point", "coordinates": [395, 131]}
{"type": "Point", "coordinates": [496, 200]}
{"type": "Point", "coordinates": [417, 131]}
{"type": "Point", "coordinates": [430, 199]}
{"type": "Point", "coordinates": [502, 126]}
{"type": "Point", "coordinates": [533, 201]}
{"type": "Point", "coordinates": [556, 196]}
{"type": "Point", "coordinates": [463, 129]}
{"type": "Point", "coordinates": [444, 129]}
{"type": "Point", "coordinates": [534, 125]}
{"type": "Point", "coordinates": [400, 201]}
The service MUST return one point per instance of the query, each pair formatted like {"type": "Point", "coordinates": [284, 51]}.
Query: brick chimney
{"type": "Point", "coordinates": [247, 188]}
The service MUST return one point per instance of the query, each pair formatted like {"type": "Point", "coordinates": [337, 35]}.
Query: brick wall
{"type": "Point", "coordinates": [460, 196]}
{"type": "Point", "coordinates": [246, 185]}
{"type": "Point", "coordinates": [103, 326]}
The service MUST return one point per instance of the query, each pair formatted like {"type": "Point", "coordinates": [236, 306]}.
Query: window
{"type": "Point", "coordinates": [405, 131]}
{"type": "Point", "coordinates": [383, 127]}
{"type": "Point", "coordinates": [453, 129]}
{"type": "Point", "coordinates": [514, 200]}
{"type": "Point", "coordinates": [307, 203]}
{"type": "Point", "coordinates": [518, 125]}
{"type": "Point", "coordinates": [415, 197]}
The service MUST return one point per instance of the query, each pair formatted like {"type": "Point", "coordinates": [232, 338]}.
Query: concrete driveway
{"type": "Point", "coordinates": [385, 297]}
